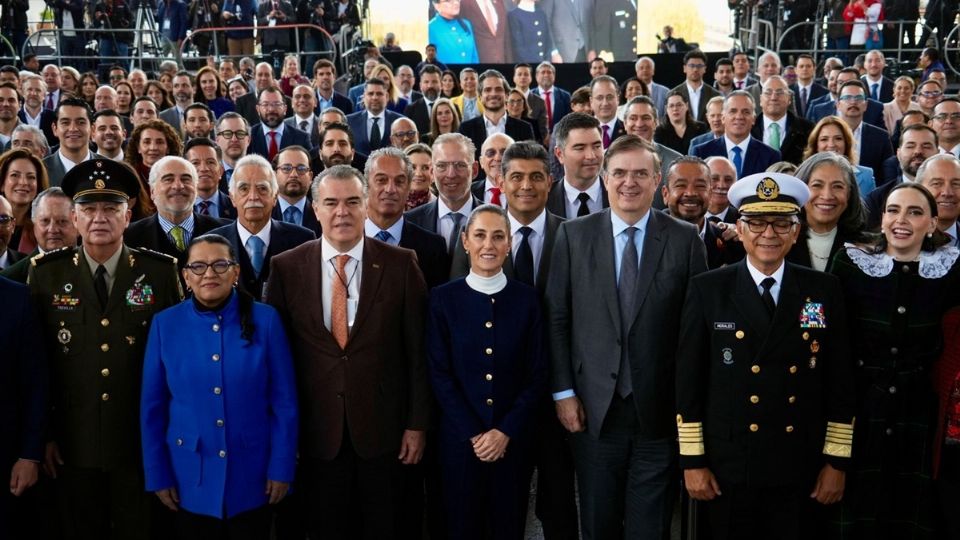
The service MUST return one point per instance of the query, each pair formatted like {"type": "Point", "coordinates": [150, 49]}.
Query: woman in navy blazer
{"type": "Point", "coordinates": [487, 361]}
{"type": "Point", "coordinates": [218, 407]}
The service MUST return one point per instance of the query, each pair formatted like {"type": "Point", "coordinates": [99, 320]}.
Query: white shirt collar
{"type": "Point", "coordinates": [443, 210]}
{"type": "Point", "coordinates": [264, 234]}
{"type": "Point", "coordinates": [328, 252]}
{"type": "Point", "coordinates": [572, 192]}
{"type": "Point", "coordinates": [300, 205]}
{"type": "Point", "coordinates": [610, 125]}
{"type": "Point", "coordinates": [619, 225]}
{"type": "Point", "coordinates": [782, 122]}
{"type": "Point", "coordinates": [730, 144]}
{"type": "Point", "coordinates": [539, 224]}
{"type": "Point", "coordinates": [67, 164]}
{"type": "Point", "coordinates": [759, 276]}
{"type": "Point", "coordinates": [691, 90]}
{"type": "Point", "coordinates": [878, 80]}
{"type": "Point", "coordinates": [278, 129]}
{"type": "Point", "coordinates": [499, 127]}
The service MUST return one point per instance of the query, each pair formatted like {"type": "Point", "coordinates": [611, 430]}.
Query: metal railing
{"type": "Point", "coordinates": [951, 49]}
{"type": "Point", "coordinates": [218, 54]}
{"type": "Point", "coordinates": [819, 38]}
{"type": "Point", "coordinates": [47, 45]}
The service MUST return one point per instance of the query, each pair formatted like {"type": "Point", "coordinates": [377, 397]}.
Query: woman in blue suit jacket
{"type": "Point", "coordinates": [487, 361]}
{"type": "Point", "coordinates": [218, 407]}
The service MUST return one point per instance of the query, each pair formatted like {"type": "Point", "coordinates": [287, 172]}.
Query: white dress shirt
{"type": "Point", "coordinates": [445, 222]}
{"type": "Point", "coordinates": [759, 276]}
{"type": "Point", "coordinates": [396, 230]}
{"type": "Point", "coordinates": [742, 145]}
{"type": "Point", "coordinates": [67, 164]}
{"type": "Point", "coordinates": [499, 127]}
{"type": "Point", "coordinates": [782, 122]}
{"type": "Point", "coordinates": [595, 204]}
{"type": "Point", "coordinates": [352, 271]}
{"type": "Point", "coordinates": [266, 134]}
{"type": "Point", "coordinates": [380, 124]}
{"type": "Point", "coordinates": [535, 240]}
{"type": "Point", "coordinates": [694, 100]}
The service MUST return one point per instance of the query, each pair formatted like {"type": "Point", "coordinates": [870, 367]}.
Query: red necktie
{"type": "Point", "coordinates": [272, 151]}
{"type": "Point", "coordinates": [495, 196]}
{"type": "Point", "coordinates": [606, 136]}
{"type": "Point", "coordinates": [546, 100]}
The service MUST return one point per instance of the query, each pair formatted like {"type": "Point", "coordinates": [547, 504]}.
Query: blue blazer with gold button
{"type": "Point", "coordinates": [218, 412]}
{"type": "Point", "coordinates": [487, 359]}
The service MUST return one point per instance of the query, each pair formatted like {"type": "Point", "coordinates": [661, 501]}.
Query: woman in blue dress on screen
{"type": "Point", "coordinates": [452, 34]}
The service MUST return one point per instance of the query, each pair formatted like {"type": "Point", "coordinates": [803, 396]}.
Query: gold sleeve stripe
{"type": "Point", "coordinates": [839, 439]}
{"type": "Point", "coordinates": [837, 450]}
{"type": "Point", "coordinates": [690, 437]}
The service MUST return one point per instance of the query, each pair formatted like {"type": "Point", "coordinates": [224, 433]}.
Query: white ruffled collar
{"type": "Point", "coordinates": [487, 285]}
{"type": "Point", "coordinates": [932, 265]}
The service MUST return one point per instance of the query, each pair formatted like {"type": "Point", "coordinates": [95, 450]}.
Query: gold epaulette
{"type": "Point", "coordinates": [839, 439]}
{"type": "Point", "coordinates": [154, 254]}
{"type": "Point", "coordinates": [690, 437]}
{"type": "Point", "coordinates": [52, 255]}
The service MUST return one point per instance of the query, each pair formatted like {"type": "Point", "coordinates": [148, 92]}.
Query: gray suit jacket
{"type": "Point", "coordinates": [172, 117]}
{"type": "Point", "coordinates": [583, 317]}
{"type": "Point", "coordinates": [570, 25]}
{"type": "Point", "coordinates": [538, 113]}
{"type": "Point", "coordinates": [707, 92]}
{"type": "Point", "coordinates": [55, 170]}
{"type": "Point", "coordinates": [658, 93]}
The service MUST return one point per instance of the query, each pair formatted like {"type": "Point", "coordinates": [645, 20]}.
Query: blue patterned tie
{"type": "Point", "coordinates": [738, 161]}
{"type": "Point", "coordinates": [383, 236]}
{"type": "Point", "coordinates": [292, 215]}
{"type": "Point", "coordinates": [255, 247]}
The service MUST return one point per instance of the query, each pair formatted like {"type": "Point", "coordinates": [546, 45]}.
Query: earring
{"type": "Point", "coordinates": [929, 235]}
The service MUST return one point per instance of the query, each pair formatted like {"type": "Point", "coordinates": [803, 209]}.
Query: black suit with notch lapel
{"type": "Point", "coordinates": [47, 118]}
{"type": "Point", "coordinates": [557, 199]}
{"type": "Point", "coordinates": [476, 130]}
{"type": "Point", "coordinates": [314, 131]}
{"type": "Point", "coordinates": [420, 114]}
{"type": "Point", "coordinates": [309, 220]}
{"type": "Point", "coordinates": [793, 142]}
{"type": "Point", "coordinates": [886, 89]}
{"type": "Point", "coordinates": [283, 237]}
{"type": "Point", "coordinates": [759, 156]}
{"type": "Point", "coordinates": [339, 101]}
{"type": "Point", "coordinates": [816, 92]}
{"type": "Point", "coordinates": [431, 252]}
{"type": "Point", "coordinates": [291, 136]}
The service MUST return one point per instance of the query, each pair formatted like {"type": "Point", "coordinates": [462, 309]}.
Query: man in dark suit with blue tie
{"type": "Point", "coordinates": [206, 158]}
{"type": "Point", "coordinates": [747, 154]}
{"type": "Point", "coordinates": [555, 99]}
{"type": "Point", "coordinates": [371, 126]}
{"type": "Point", "coordinates": [271, 135]}
{"type": "Point", "coordinates": [324, 75]}
{"type": "Point", "coordinates": [419, 110]}
{"type": "Point", "coordinates": [293, 180]}
{"type": "Point", "coordinates": [870, 142]}
{"type": "Point", "coordinates": [873, 114]}
{"type": "Point", "coordinates": [493, 95]}
{"type": "Point", "coordinates": [23, 403]}
{"type": "Point", "coordinates": [879, 87]}
{"type": "Point", "coordinates": [34, 90]}
{"type": "Point", "coordinates": [613, 331]}
{"type": "Point", "coordinates": [256, 238]}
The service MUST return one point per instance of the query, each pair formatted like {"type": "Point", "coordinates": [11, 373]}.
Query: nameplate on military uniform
{"type": "Point", "coordinates": [724, 326]}
{"type": "Point", "coordinates": [812, 316]}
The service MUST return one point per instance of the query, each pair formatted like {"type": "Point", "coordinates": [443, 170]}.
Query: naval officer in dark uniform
{"type": "Point", "coordinates": [764, 378]}
{"type": "Point", "coordinates": [96, 302]}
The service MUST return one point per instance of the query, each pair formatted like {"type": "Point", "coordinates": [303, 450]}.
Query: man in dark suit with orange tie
{"type": "Point", "coordinates": [354, 312]}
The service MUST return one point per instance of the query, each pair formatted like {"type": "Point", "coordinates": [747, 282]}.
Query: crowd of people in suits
{"type": "Point", "coordinates": [293, 312]}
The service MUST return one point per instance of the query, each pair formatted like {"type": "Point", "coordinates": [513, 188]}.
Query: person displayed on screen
{"type": "Point", "coordinates": [452, 34]}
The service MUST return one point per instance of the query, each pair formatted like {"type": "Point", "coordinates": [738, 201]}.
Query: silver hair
{"type": "Point", "coordinates": [338, 172]}
{"type": "Point", "coordinates": [740, 93]}
{"type": "Point", "coordinates": [457, 138]}
{"type": "Point", "coordinates": [55, 192]}
{"type": "Point", "coordinates": [927, 163]}
{"type": "Point", "coordinates": [38, 136]}
{"type": "Point", "coordinates": [387, 151]}
{"type": "Point", "coordinates": [254, 160]}
{"type": "Point", "coordinates": [156, 171]}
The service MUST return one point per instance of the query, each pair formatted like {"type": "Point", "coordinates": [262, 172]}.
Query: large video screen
{"type": "Point", "coordinates": [510, 31]}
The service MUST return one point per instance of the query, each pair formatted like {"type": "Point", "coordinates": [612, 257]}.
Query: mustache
{"type": "Point", "coordinates": [253, 204]}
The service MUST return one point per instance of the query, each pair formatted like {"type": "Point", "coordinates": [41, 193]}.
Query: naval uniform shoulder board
{"type": "Point", "coordinates": [53, 255]}
{"type": "Point", "coordinates": [163, 257]}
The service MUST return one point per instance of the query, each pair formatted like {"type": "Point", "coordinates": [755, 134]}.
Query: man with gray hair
{"type": "Point", "coordinates": [940, 174]}
{"type": "Point", "coordinates": [255, 236]}
{"type": "Point", "coordinates": [173, 189]}
{"type": "Point", "coordinates": [453, 168]}
{"type": "Point", "coordinates": [748, 154]}
{"type": "Point", "coordinates": [354, 311]}
{"type": "Point", "coordinates": [8, 255]}
{"type": "Point", "coordinates": [52, 226]}
{"type": "Point", "coordinates": [778, 127]}
{"type": "Point", "coordinates": [33, 113]}
{"type": "Point", "coordinates": [31, 139]}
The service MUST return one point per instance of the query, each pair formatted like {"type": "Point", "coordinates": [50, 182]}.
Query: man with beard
{"type": "Point", "coordinates": [940, 174]}
{"type": "Point", "coordinates": [723, 77]}
{"type": "Point", "coordinates": [33, 113]}
{"type": "Point", "coordinates": [304, 116]}
{"type": "Point", "coordinates": [9, 105]}
{"type": "Point", "coordinates": [403, 133]}
{"type": "Point", "coordinates": [685, 192]}
{"type": "Point", "coordinates": [108, 134]}
{"type": "Point", "coordinates": [324, 75]}
{"type": "Point", "coordinates": [494, 117]}
{"type": "Point", "coordinates": [255, 236]}
{"type": "Point", "coordinates": [233, 138]}
{"type": "Point", "coordinates": [206, 157]}
{"type": "Point", "coordinates": [198, 121]}
{"type": "Point", "coordinates": [247, 104]}
{"type": "Point", "coordinates": [871, 143]}
{"type": "Point", "coordinates": [173, 189]}
{"type": "Point", "coordinates": [53, 227]}
{"type": "Point", "coordinates": [271, 135]}
{"type": "Point", "coordinates": [73, 129]}
{"type": "Point", "coordinates": [419, 110]}
{"type": "Point", "coordinates": [336, 148]}
{"type": "Point", "coordinates": [183, 93]}
{"type": "Point", "coordinates": [405, 80]}
{"type": "Point", "coordinates": [488, 189]}
{"type": "Point", "coordinates": [917, 143]}
{"type": "Point", "coordinates": [722, 176]}
{"type": "Point", "coordinates": [293, 179]}
{"type": "Point", "coordinates": [371, 126]}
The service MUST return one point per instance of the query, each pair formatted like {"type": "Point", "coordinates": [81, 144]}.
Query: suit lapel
{"type": "Point", "coordinates": [373, 269]}
{"type": "Point", "coordinates": [549, 235]}
{"type": "Point", "coordinates": [749, 163]}
{"type": "Point", "coordinates": [603, 260]}
{"type": "Point", "coordinates": [312, 286]}
{"type": "Point", "coordinates": [649, 260]}
{"type": "Point", "coordinates": [747, 300]}
{"type": "Point", "coordinates": [788, 309]}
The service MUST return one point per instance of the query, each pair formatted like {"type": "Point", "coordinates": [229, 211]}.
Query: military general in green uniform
{"type": "Point", "coordinates": [96, 302]}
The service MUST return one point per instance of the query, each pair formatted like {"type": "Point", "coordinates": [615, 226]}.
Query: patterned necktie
{"type": "Point", "coordinates": [767, 297]}
{"type": "Point", "coordinates": [177, 232]}
{"type": "Point", "coordinates": [738, 160]}
{"type": "Point", "coordinates": [523, 260]}
{"type": "Point", "coordinates": [303, 125]}
{"type": "Point", "coordinates": [775, 136]}
{"type": "Point", "coordinates": [383, 236]}
{"type": "Point", "coordinates": [583, 210]}
{"type": "Point", "coordinates": [50, 105]}
{"type": "Point", "coordinates": [338, 302]}
{"type": "Point", "coordinates": [495, 196]}
{"type": "Point", "coordinates": [255, 246]}
{"type": "Point", "coordinates": [292, 215]}
{"type": "Point", "coordinates": [274, 147]}
{"type": "Point", "coordinates": [627, 292]}
{"type": "Point", "coordinates": [606, 136]}
{"type": "Point", "coordinates": [204, 208]}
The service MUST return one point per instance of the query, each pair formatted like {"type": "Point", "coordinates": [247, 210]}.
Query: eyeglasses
{"type": "Point", "coordinates": [405, 134]}
{"type": "Point", "coordinates": [855, 99]}
{"type": "Point", "coordinates": [931, 94]}
{"type": "Point", "coordinates": [287, 169]}
{"type": "Point", "coordinates": [7, 221]}
{"type": "Point", "coordinates": [943, 116]}
{"type": "Point", "coordinates": [228, 134]}
{"type": "Point", "coordinates": [696, 66]}
{"type": "Point", "coordinates": [759, 226]}
{"type": "Point", "coordinates": [444, 166]}
{"type": "Point", "coordinates": [219, 267]}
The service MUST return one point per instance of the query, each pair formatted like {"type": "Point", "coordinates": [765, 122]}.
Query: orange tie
{"type": "Point", "coordinates": [338, 304]}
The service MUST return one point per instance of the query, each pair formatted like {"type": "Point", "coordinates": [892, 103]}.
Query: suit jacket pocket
{"type": "Point", "coordinates": [185, 458]}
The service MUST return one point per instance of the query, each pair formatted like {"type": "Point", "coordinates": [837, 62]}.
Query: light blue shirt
{"type": "Point", "coordinates": [396, 230]}
{"type": "Point", "coordinates": [619, 244]}
{"type": "Point", "coordinates": [187, 227]}
{"type": "Point", "coordinates": [299, 205]}
{"type": "Point", "coordinates": [213, 210]}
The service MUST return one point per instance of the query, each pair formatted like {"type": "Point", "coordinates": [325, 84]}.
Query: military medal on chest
{"type": "Point", "coordinates": [140, 295]}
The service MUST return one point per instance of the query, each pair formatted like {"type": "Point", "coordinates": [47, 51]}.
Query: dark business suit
{"type": "Point", "coordinates": [361, 139]}
{"type": "Point", "coordinates": [54, 166]}
{"type": "Point", "coordinates": [873, 202]}
{"type": "Point", "coordinates": [283, 237]}
{"type": "Point", "coordinates": [886, 89]}
{"type": "Point", "coordinates": [357, 401]}
{"type": "Point", "coordinates": [313, 131]}
{"type": "Point", "coordinates": [721, 252]}
{"type": "Point", "coordinates": [308, 220]}
{"type": "Point", "coordinates": [431, 252]}
{"type": "Point", "coordinates": [425, 216]}
{"type": "Point", "coordinates": [47, 118]}
{"type": "Point", "coordinates": [147, 233]}
{"type": "Point", "coordinates": [793, 142]}
{"type": "Point", "coordinates": [618, 130]}
{"type": "Point", "coordinates": [816, 92]}
{"type": "Point", "coordinates": [707, 92]}
{"type": "Point", "coordinates": [476, 130]}
{"type": "Point", "coordinates": [23, 391]}
{"type": "Point", "coordinates": [559, 98]}
{"type": "Point", "coordinates": [13, 256]}
{"type": "Point", "coordinates": [290, 137]}
{"type": "Point", "coordinates": [19, 270]}
{"type": "Point", "coordinates": [587, 337]}
{"type": "Point", "coordinates": [225, 208]}
{"type": "Point", "coordinates": [759, 156]}
{"type": "Point", "coordinates": [732, 360]}
{"type": "Point", "coordinates": [557, 199]}
{"type": "Point", "coordinates": [339, 101]}
{"type": "Point", "coordinates": [173, 117]}
{"type": "Point", "coordinates": [873, 115]}
{"type": "Point", "coordinates": [875, 148]}
{"type": "Point", "coordinates": [420, 114]}
{"type": "Point", "coordinates": [493, 48]}
{"type": "Point", "coordinates": [570, 26]}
